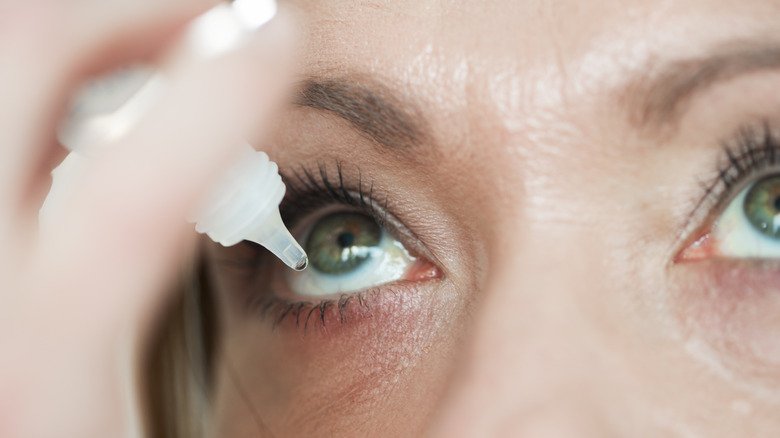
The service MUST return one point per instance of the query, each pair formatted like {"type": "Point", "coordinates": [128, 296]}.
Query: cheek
{"type": "Point", "coordinates": [735, 309]}
{"type": "Point", "coordinates": [395, 358]}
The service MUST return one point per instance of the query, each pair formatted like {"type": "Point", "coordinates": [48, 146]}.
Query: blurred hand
{"type": "Point", "coordinates": [74, 305]}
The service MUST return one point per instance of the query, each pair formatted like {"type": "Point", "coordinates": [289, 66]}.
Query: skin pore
{"type": "Point", "coordinates": [544, 163]}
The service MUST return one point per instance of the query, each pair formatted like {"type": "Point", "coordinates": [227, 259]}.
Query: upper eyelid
{"type": "Point", "coordinates": [305, 185]}
{"type": "Point", "coordinates": [748, 154]}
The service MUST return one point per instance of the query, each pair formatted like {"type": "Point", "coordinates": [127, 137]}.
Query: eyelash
{"type": "Point", "coordinates": [751, 154]}
{"type": "Point", "coordinates": [752, 151]}
{"type": "Point", "coordinates": [325, 314]}
{"type": "Point", "coordinates": [307, 191]}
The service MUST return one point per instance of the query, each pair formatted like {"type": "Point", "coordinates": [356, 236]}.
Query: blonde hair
{"type": "Point", "coordinates": [176, 377]}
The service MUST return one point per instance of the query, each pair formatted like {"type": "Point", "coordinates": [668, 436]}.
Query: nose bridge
{"type": "Point", "coordinates": [531, 367]}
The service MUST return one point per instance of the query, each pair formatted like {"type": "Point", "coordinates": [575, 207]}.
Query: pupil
{"type": "Point", "coordinates": [346, 240]}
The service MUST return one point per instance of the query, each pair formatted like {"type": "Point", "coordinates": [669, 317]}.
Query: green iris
{"type": "Point", "coordinates": [762, 206]}
{"type": "Point", "coordinates": [341, 242]}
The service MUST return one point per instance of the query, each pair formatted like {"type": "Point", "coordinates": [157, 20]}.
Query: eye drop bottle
{"type": "Point", "coordinates": [245, 205]}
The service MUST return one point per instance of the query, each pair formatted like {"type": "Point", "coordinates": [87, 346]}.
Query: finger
{"type": "Point", "coordinates": [46, 48]}
{"type": "Point", "coordinates": [124, 234]}
{"type": "Point", "coordinates": [128, 220]}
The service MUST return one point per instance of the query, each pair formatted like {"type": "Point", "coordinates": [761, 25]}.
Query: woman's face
{"type": "Point", "coordinates": [524, 218]}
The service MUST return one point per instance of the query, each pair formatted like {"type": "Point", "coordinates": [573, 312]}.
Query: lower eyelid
{"type": "Point", "coordinates": [331, 317]}
{"type": "Point", "coordinates": [420, 271]}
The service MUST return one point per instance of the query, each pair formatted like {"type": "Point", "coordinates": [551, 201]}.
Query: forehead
{"type": "Point", "coordinates": [540, 81]}
{"type": "Point", "coordinates": [508, 58]}
{"type": "Point", "coordinates": [423, 40]}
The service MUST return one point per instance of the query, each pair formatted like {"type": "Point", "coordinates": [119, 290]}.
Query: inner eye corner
{"type": "Point", "coordinates": [695, 247]}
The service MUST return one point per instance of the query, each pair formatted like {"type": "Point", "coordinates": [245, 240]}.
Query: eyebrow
{"type": "Point", "coordinates": [373, 109]}
{"type": "Point", "coordinates": [662, 99]}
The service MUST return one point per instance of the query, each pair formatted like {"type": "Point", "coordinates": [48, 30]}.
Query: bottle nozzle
{"type": "Point", "coordinates": [273, 235]}
{"type": "Point", "coordinates": [246, 207]}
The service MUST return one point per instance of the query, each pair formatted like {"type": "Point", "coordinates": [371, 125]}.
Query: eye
{"type": "Point", "coordinates": [749, 226]}
{"type": "Point", "coordinates": [349, 252]}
